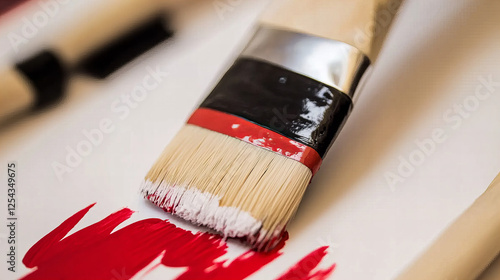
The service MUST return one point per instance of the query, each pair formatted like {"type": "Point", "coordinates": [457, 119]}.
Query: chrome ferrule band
{"type": "Point", "coordinates": [331, 62]}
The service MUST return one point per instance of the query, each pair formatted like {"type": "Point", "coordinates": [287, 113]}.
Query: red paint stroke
{"type": "Point", "coordinates": [257, 135]}
{"type": "Point", "coordinates": [240, 268]}
{"type": "Point", "coordinates": [96, 252]}
{"type": "Point", "coordinates": [303, 269]}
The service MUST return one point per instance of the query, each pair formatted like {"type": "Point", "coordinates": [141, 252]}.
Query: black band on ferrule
{"type": "Point", "coordinates": [283, 101]}
{"type": "Point", "coordinates": [47, 75]}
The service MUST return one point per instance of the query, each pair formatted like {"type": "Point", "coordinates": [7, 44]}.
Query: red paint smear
{"type": "Point", "coordinates": [37, 252]}
{"type": "Point", "coordinates": [240, 268]}
{"type": "Point", "coordinates": [256, 135]}
{"type": "Point", "coordinates": [96, 253]}
{"type": "Point", "coordinates": [302, 270]}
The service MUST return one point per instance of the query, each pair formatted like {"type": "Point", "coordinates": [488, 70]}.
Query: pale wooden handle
{"type": "Point", "coordinates": [350, 21]}
{"type": "Point", "coordinates": [467, 246]}
{"type": "Point", "coordinates": [16, 94]}
{"type": "Point", "coordinates": [112, 18]}
{"type": "Point", "coordinates": [492, 272]}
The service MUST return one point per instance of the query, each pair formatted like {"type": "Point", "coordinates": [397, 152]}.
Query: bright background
{"type": "Point", "coordinates": [435, 57]}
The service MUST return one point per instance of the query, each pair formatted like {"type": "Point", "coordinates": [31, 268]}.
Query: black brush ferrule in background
{"type": "Point", "coordinates": [107, 59]}
{"type": "Point", "coordinates": [283, 101]}
{"type": "Point", "coordinates": [47, 76]}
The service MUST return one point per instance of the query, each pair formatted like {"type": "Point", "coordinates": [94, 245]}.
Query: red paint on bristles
{"type": "Point", "coordinates": [256, 135]}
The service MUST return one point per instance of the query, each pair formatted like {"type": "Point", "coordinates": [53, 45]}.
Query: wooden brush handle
{"type": "Point", "coordinates": [347, 21]}
{"type": "Point", "coordinates": [467, 246]}
{"type": "Point", "coordinates": [492, 272]}
{"type": "Point", "coordinates": [15, 93]}
{"type": "Point", "coordinates": [112, 19]}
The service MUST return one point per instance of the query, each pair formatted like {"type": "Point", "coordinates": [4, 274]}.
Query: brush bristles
{"type": "Point", "coordinates": [231, 186]}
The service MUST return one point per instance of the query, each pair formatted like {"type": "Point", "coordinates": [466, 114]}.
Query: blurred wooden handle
{"type": "Point", "coordinates": [347, 21]}
{"type": "Point", "coordinates": [112, 19]}
{"type": "Point", "coordinates": [492, 272]}
{"type": "Point", "coordinates": [15, 94]}
{"type": "Point", "coordinates": [467, 246]}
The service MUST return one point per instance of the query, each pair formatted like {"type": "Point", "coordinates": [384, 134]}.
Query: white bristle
{"type": "Point", "coordinates": [204, 209]}
{"type": "Point", "coordinates": [226, 184]}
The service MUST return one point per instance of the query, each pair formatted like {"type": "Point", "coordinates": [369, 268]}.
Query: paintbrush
{"type": "Point", "coordinates": [467, 246]}
{"type": "Point", "coordinates": [242, 162]}
{"type": "Point", "coordinates": [115, 33]}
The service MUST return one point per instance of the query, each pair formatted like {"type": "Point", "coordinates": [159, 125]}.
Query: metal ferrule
{"type": "Point", "coordinates": [331, 62]}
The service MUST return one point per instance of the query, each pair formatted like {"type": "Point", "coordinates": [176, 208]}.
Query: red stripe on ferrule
{"type": "Point", "coordinates": [254, 134]}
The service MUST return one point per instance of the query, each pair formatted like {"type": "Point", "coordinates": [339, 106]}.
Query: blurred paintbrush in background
{"type": "Point", "coordinates": [116, 33]}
